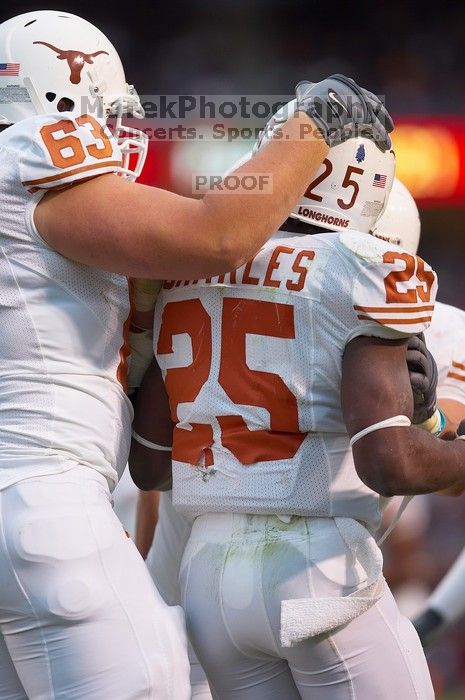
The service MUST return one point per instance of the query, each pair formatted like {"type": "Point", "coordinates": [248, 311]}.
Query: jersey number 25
{"type": "Point", "coordinates": [242, 385]}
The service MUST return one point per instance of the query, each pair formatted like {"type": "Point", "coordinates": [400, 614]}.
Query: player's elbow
{"type": "Point", "coordinates": [388, 484]}
{"type": "Point", "coordinates": [234, 248]}
{"type": "Point", "coordinates": [380, 480]}
{"type": "Point", "coordinates": [228, 254]}
{"type": "Point", "coordinates": [232, 241]}
{"type": "Point", "coordinates": [150, 469]}
{"type": "Point", "coordinates": [385, 471]}
{"type": "Point", "coordinates": [151, 480]}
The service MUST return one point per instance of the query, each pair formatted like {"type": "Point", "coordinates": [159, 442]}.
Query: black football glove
{"type": "Point", "coordinates": [423, 378]}
{"type": "Point", "coordinates": [342, 110]}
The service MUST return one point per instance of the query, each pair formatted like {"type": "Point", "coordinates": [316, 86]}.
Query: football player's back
{"type": "Point", "coordinates": [253, 364]}
{"type": "Point", "coordinates": [266, 343]}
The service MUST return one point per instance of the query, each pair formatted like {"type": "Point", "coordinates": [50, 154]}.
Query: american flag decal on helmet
{"type": "Point", "coordinates": [379, 181]}
{"type": "Point", "coordinates": [8, 69]}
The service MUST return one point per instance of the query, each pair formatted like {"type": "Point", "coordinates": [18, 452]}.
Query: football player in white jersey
{"type": "Point", "coordinates": [162, 532]}
{"type": "Point", "coordinates": [79, 616]}
{"type": "Point", "coordinates": [446, 340]}
{"type": "Point", "coordinates": [268, 371]}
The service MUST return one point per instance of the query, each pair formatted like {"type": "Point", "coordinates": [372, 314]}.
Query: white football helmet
{"type": "Point", "coordinates": [400, 221]}
{"type": "Point", "coordinates": [54, 61]}
{"type": "Point", "coordinates": [352, 184]}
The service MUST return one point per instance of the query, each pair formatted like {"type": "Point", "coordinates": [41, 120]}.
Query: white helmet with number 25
{"type": "Point", "coordinates": [400, 221]}
{"type": "Point", "coordinates": [351, 186]}
{"type": "Point", "coordinates": [57, 62]}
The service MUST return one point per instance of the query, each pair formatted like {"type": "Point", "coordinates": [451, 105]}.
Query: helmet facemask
{"type": "Point", "coordinates": [132, 142]}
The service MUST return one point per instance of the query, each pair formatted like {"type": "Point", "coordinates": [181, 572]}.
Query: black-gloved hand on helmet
{"type": "Point", "coordinates": [342, 110]}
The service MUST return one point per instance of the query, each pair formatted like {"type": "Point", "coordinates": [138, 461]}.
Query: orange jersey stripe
{"type": "Point", "coordinates": [453, 375]}
{"type": "Point", "coordinates": [74, 171]}
{"type": "Point", "coordinates": [59, 186]}
{"type": "Point", "coordinates": [63, 185]}
{"type": "Point", "coordinates": [457, 365]}
{"type": "Point", "coordinates": [398, 309]}
{"type": "Point", "coordinates": [396, 321]}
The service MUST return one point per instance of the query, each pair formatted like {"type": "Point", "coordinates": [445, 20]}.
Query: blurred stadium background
{"type": "Point", "coordinates": [412, 56]}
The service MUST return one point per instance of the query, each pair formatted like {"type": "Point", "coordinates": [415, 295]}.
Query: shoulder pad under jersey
{"type": "Point", "coordinates": [392, 288]}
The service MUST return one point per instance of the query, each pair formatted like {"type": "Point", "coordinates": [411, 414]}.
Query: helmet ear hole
{"type": "Point", "coordinates": [50, 96]}
{"type": "Point", "coordinates": [65, 105]}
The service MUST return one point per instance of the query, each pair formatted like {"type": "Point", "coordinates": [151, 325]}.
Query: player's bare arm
{"type": "Point", "coordinates": [401, 459]}
{"type": "Point", "coordinates": [144, 232]}
{"type": "Point", "coordinates": [146, 520]}
{"type": "Point", "coordinates": [150, 456]}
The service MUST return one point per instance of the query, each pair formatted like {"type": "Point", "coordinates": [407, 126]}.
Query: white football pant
{"type": "Point", "coordinates": [235, 572]}
{"type": "Point", "coordinates": [171, 534]}
{"type": "Point", "coordinates": [79, 614]}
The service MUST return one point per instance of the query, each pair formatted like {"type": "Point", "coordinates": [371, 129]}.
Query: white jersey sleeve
{"type": "Point", "coordinates": [446, 340]}
{"type": "Point", "coordinates": [453, 386]}
{"type": "Point", "coordinates": [393, 292]}
{"type": "Point", "coordinates": [57, 150]}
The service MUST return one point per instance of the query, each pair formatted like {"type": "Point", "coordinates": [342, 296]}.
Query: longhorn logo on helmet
{"type": "Point", "coordinates": [76, 59]}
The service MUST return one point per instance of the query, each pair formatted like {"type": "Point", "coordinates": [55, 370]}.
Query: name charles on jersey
{"type": "Point", "coordinates": [296, 262]}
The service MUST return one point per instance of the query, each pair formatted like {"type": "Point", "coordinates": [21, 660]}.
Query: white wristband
{"type": "Point", "coordinates": [151, 445]}
{"type": "Point", "coordinates": [435, 424]}
{"type": "Point", "coordinates": [394, 422]}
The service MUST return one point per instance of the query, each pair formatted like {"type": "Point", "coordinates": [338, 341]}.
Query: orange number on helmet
{"type": "Point", "coordinates": [348, 182]}
{"type": "Point", "coordinates": [255, 388]}
{"type": "Point", "coordinates": [183, 384]}
{"type": "Point", "coordinates": [326, 173]}
{"type": "Point", "coordinates": [98, 132]}
{"type": "Point", "coordinates": [414, 266]}
{"type": "Point", "coordinates": [243, 386]}
{"type": "Point", "coordinates": [65, 151]}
